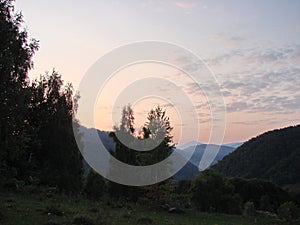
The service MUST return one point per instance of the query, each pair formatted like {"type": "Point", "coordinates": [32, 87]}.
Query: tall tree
{"type": "Point", "coordinates": [16, 52]}
{"type": "Point", "coordinates": [121, 133]}
{"type": "Point", "coordinates": [55, 152]}
{"type": "Point", "coordinates": [157, 133]}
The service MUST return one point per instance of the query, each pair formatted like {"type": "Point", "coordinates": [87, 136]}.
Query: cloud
{"type": "Point", "coordinates": [186, 5]}
{"type": "Point", "coordinates": [237, 106]}
{"type": "Point", "coordinates": [257, 79]}
{"type": "Point", "coordinates": [253, 79]}
{"type": "Point", "coordinates": [228, 41]}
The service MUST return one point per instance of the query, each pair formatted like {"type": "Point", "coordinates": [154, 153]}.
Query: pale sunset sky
{"type": "Point", "coordinates": [252, 47]}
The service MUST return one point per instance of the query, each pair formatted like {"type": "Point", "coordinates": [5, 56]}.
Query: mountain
{"type": "Point", "coordinates": [188, 144]}
{"type": "Point", "coordinates": [199, 152]}
{"type": "Point", "coordinates": [188, 172]}
{"type": "Point", "coordinates": [234, 144]}
{"type": "Point", "coordinates": [190, 169]}
{"type": "Point", "coordinates": [103, 135]}
{"type": "Point", "coordinates": [89, 141]}
{"type": "Point", "coordinates": [274, 156]}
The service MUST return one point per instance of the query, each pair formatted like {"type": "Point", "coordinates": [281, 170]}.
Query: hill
{"type": "Point", "coordinates": [274, 156]}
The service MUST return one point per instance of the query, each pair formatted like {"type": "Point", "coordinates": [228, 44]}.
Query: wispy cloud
{"type": "Point", "coordinates": [186, 5]}
{"type": "Point", "coordinates": [226, 40]}
{"type": "Point", "coordinates": [255, 79]}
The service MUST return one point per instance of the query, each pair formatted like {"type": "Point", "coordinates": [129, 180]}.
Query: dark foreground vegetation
{"type": "Point", "coordinates": [48, 208]}
{"type": "Point", "coordinates": [41, 169]}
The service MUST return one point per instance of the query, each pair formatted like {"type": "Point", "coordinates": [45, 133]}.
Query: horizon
{"type": "Point", "coordinates": [252, 49]}
{"type": "Point", "coordinates": [224, 143]}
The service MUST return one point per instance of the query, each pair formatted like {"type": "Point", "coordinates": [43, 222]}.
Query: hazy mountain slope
{"type": "Point", "coordinates": [188, 172]}
{"type": "Point", "coordinates": [89, 141]}
{"type": "Point", "coordinates": [200, 149]}
{"type": "Point", "coordinates": [234, 144]}
{"type": "Point", "coordinates": [274, 155]}
{"type": "Point", "coordinates": [191, 168]}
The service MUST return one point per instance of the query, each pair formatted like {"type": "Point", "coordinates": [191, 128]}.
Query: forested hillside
{"type": "Point", "coordinates": [274, 156]}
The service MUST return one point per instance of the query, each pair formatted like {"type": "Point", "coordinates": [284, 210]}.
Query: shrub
{"type": "Point", "coordinates": [249, 209]}
{"type": "Point", "coordinates": [288, 211]}
{"type": "Point", "coordinates": [211, 192]}
{"type": "Point", "coordinates": [94, 186]}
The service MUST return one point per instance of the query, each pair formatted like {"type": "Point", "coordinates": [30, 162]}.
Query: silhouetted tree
{"type": "Point", "coordinates": [211, 192]}
{"type": "Point", "coordinates": [123, 153]}
{"type": "Point", "coordinates": [55, 152]}
{"type": "Point", "coordinates": [16, 51]}
{"type": "Point", "coordinates": [157, 133]}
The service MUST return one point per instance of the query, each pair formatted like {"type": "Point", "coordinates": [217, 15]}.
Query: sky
{"type": "Point", "coordinates": [251, 47]}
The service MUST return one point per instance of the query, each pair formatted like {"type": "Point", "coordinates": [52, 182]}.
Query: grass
{"type": "Point", "coordinates": [39, 209]}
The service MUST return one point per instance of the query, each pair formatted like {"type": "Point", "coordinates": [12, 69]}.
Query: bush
{"type": "Point", "coordinates": [94, 186]}
{"type": "Point", "coordinates": [288, 211]}
{"type": "Point", "coordinates": [249, 209]}
{"type": "Point", "coordinates": [212, 192]}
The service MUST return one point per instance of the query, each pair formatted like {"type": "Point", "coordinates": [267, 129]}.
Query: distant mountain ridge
{"type": "Point", "coordinates": [274, 156]}
{"type": "Point", "coordinates": [190, 169]}
{"type": "Point", "coordinates": [200, 149]}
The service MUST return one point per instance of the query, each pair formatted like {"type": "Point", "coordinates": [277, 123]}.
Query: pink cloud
{"type": "Point", "coordinates": [186, 5]}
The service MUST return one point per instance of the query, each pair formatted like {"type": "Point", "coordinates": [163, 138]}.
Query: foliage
{"type": "Point", "coordinates": [273, 156]}
{"type": "Point", "coordinates": [123, 153]}
{"type": "Point", "coordinates": [264, 194]}
{"type": "Point", "coordinates": [16, 52]}
{"type": "Point", "coordinates": [249, 209]}
{"type": "Point", "coordinates": [36, 134]}
{"type": "Point", "coordinates": [55, 153]}
{"type": "Point", "coordinates": [156, 132]}
{"type": "Point", "coordinates": [95, 185]}
{"type": "Point", "coordinates": [211, 192]}
{"type": "Point", "coordinates": [288, 211]}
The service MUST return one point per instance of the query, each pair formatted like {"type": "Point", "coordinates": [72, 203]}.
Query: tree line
{"type": "Point", "coordinates": [36, 136]}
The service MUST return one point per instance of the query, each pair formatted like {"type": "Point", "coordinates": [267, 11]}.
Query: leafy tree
{"type": "Point", "coordinates": [125, 131]}
{"type": "Point", "coordinates": [156, 132]}
{"type": "Point", "coordinates": [16, 53]}
{"type": "Point", "coordinates": [264, 194]}
{"type": "Point", "coordinates": [124, 153]}
{"type": "Point", "coordinates": [211, 192]}
{"type": "Point", "coordinates": [55, 152]}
